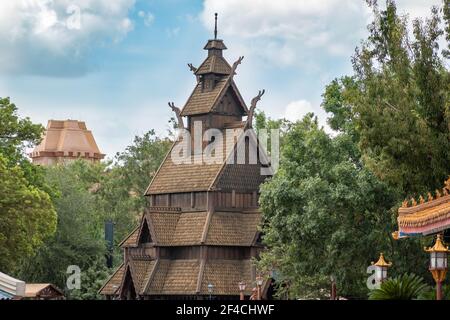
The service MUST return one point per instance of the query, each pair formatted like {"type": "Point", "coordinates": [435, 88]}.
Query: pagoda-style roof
{"type": "Point", "coordinates": [112, 285]}
{"type": "Point", "coordinates": [214, 64]}
{"type": "Point", "coordinates": [215, 44]}
{"type": "Point", "coordinates": [182, 277]}
{"type": "Point", "coordinates": [201, 225]}
{"type": "Point", "coordinates": [426, 216]}
{"type": "Point", "coordinates": [201, 102]}
{"type": "Point", "coordinates": [169, 228]}
{"type": "Point", "coordinates": [197, 175]}
{"type": "Point", "coordinates": [66, 139]}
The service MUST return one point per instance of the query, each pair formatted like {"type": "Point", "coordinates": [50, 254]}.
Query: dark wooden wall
{"type": "Point", "coordinates": [197, 200]}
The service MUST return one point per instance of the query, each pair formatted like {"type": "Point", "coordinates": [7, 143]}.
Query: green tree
{"type": "Point", "coordinates": [324, 214]}
{"type": "Point", "coordinates": [122, 190]}
{"type": "Point", "coordinates": [397, 102]}
{"type": "Point", "coordinates": [79, 234]}
{"type": "Point", "coordinates": [27, 217]}
{"type": "Point", "coordinates": [92, 280]}
{"type": "Point", "coordinates": [15, 133]}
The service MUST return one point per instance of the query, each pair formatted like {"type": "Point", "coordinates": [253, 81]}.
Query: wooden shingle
{"type": "Point", "coordinates": [131, 239]}
{"type": "Point", "coordinates": [225, 275]}
{"type": "Point", "coordinates": [214, 64]}
{"type": "Point", "coordinates": [174, 277]}
{"type": "Point", "coordinates": [113, 283]}
{"type": "Point", "coordinates": [203, 101]}
{"type": "Point", "coordinates": [233, 228]}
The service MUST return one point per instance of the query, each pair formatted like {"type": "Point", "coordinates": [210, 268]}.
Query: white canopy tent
{"type": "Point", "coordinates": [10, 287]}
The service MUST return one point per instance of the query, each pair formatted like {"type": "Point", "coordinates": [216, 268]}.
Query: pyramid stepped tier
{"type": "Point", "coordinates": [64, 141]}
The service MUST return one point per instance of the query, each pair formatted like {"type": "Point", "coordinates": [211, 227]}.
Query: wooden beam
{"type": "Point", "coordinates": [200, 275]}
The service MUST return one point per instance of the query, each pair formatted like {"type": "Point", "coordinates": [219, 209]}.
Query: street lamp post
{"type": "Point", "coordinates": [259, 283]}
{"type": "Point", "coordinates": [333, 288]}
{"type": "Point", "coordinates": [210, 290]}
{"type": "Point", "coordinates": [438, 264]}
{"type": "Point", "coordinates": [242, 286]}
{"type": "Point", "coordinates": [381, 267]}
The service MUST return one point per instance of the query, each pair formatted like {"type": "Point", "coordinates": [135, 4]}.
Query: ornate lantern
{"type": "Point", "coordinates": [438, 263]}
{"type": "Point", "coordinates": [381, 267]}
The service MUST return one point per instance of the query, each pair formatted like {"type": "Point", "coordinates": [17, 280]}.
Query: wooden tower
{"type": "Point", "coordinates": [201, 225]}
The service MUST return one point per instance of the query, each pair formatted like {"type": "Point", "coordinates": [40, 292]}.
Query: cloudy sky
{"type": "Point", "coordinates": [116, 63]}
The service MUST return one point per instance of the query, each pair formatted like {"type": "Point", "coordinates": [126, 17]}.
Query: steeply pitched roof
{"type": "Point", "coordinates": [186, 177]}
{"type": "Point", "coordinates": [225, 276]}
{"type": "Point", "coordinates": [140, 272]}
{"type": "Point", "coordinates": [180, 277]}
{"type": "Point", "coordinates": [201, 102]}
{"type": "Point", "coordinates": [196, 175]}
{"type": "Point", "coordinates": [187, 228]}
{"type": "Point", "coordinates": [214, 64]}
{"type": "Point", "coordinates": [233, 228]}
{"type": "Point", "coordinates": [175, 277]}
{"type": "Point", "coordinates": [113, 283]}
{"type": "Point", "coordinates": [131, 239]}
{"type": "Point", "coordinates": [215, 44]}
{"type": "Point", "coordinates": [174, 229]}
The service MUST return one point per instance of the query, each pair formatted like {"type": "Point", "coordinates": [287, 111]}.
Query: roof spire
{"type": "Point", "coordinates": [215, 27]}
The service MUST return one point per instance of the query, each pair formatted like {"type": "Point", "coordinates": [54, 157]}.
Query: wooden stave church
{"type": "Point", "coordinates": [201, 227]}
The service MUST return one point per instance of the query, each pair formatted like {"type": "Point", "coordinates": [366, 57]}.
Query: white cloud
{"type": "Point", "coordinates": [296, 110]}
{"type": "Point", "coordinates": [147, 17]}
{"type": "Point", "coordinates": [293, 25]}
{"type": "Point", "coordinates": [38, 37]}
{"type": "Point", "coordinates": [299, 32]}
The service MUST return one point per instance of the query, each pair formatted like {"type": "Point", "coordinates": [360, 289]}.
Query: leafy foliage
{"type": "Point", "coordinates": [27, 217]}
{"type": "Point", "coordinates": [88, 194]}
{"type": "Point", "coordinates": [91, 281]}
{"type": "Point", "coordinates": [16, 133]}
{"type": "Point", "coordinates": [79, 234]}
{"type": "Point", "coordinates": [397, 102]}
{"type": "Point", "coordinates": [323, 212]}
{"type": "Point", "coordinates": [404, 287]}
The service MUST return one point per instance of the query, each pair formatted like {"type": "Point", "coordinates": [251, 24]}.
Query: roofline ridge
{"type": "Point", "coordinates": [160, 166]}
{"type": "Point", "coordinates": [110, 277]}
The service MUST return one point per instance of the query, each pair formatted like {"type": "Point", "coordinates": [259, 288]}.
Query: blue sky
{"type": "Point", "coordinates": [126, 59]}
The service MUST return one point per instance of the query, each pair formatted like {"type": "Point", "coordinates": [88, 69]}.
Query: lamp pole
{"type": "Point", "coordinates": [438, 263]}
{"type": "Point", "coordinates": [259, 283]}
{"type": "Point", "coordinates": [333, 288]}
{"type": "Point", "coordinates": [210, 290]}
{"type": "Point", "coordinates": [242, 286]}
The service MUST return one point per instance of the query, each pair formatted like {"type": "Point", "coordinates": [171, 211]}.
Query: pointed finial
{"type": "Point", "coordinates": [215, 27]}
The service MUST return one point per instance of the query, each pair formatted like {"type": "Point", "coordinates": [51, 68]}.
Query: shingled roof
{"type": "Point", "coordinates": [192, 175]}
{"type": "Point", "coordinates": [113, 283]}
{"type": "Point", "coordinates": [174, 277]}
{"type": "Point", "coordinates": [180, 277]}
{"type": "Point", "coordinates": [131, 239]}
{"type": "Point", "coordinates": [214, 64]}
{"type": "Point", "coordinates": [233, 228]}
{"type": "Point", "coordinates": [201, 101]}
{"type": "Point", "coordinates": [187, 228]}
